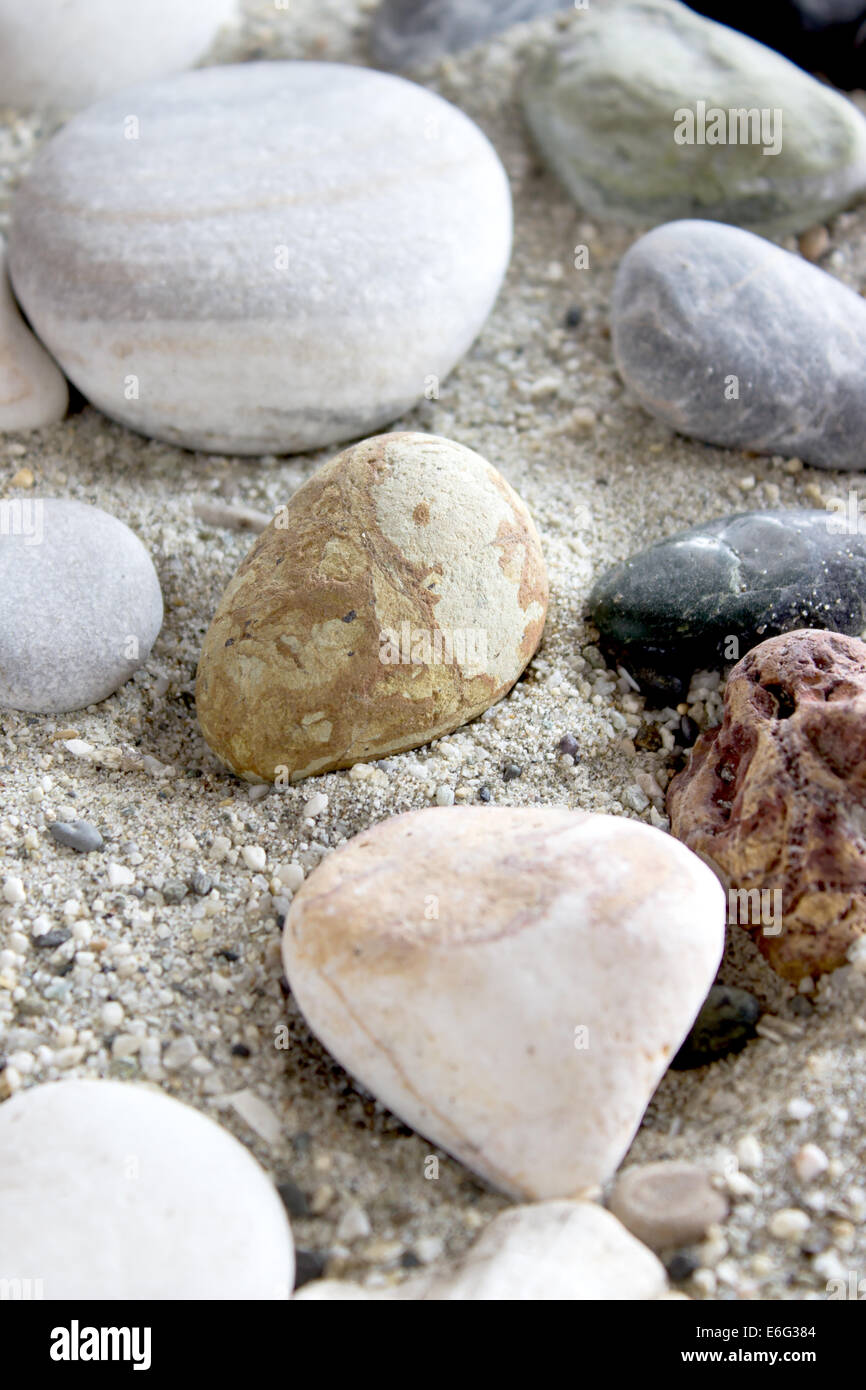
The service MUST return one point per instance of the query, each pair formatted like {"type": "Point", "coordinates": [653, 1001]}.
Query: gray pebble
{"type": "Point", "coordinates": [77, 834]}
{"type": "Point", "coordinates": [409, 33]}
{"type": "Point", "coordinates": [80, 604]}
{"type": "Point", "coordinates": [201, 883]}
{"type": "Point", "coordinates": [732, 340]}
{"type": "Point", "coordinates": [174, 891]}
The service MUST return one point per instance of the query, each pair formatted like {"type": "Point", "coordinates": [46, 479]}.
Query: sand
{"type": "Point", "coordinates": [202, 977]}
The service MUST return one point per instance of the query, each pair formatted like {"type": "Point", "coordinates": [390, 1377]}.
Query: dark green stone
{"type": "Point", "coordinates": [704, 597]}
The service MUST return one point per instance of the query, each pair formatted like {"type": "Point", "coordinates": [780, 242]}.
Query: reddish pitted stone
{"type": "Point", "coordinates": [775, 797]}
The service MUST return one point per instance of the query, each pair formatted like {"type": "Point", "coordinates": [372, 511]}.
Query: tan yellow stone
{"type": "Point", "coordinates": [399, 594]}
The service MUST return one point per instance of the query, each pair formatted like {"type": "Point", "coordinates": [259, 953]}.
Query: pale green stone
{"type": "Point", "coordinates": [603, 103]}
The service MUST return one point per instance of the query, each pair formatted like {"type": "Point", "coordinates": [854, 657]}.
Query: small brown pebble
{"type": "Point", "coordinates": [814, 243]}
{"type": "Point", "coordinates": [667, 1204]}
{"type": "Point", "coordinates": [23, 478]}
{"type": "Point", "coordinates": [648, 738]}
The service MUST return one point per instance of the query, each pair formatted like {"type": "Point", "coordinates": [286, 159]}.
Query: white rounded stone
{"type": "Point", "coordinates": [110, 1190]}
{"type": "Point", "coordinates": [512, 983]}
{"type": "Point", "coordinates": [80, 604]}
{"type": "Point", "coordinates": [63, 54]}
{"type": "Point", "coordinates": [33, 390]}
{"type": "Point", "coordinates": [550, 1251]}
{"type": "Point", "coordinates": [262, 258]}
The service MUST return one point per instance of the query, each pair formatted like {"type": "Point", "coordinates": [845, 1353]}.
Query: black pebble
{"type": "Point", "coordinates": [568, 744]}
{"type": "Point", "coordinates": [241, 1050]}
{"type": "Point", "coordinates": [702, 598]}
{"type": "Point", "coordinates": [724, 1025]}
{"type": "Point", "coordinates": [688, 731]}
{"type": "Point", "coordinates": [573, 317]}
{"type": "Point", "coordinates": [681, 1265]}
{"type": "Point", "coordinates": [484, 794]}
{"type": "Point", "coordinates": [294, 1200]}
{"type": "Point", "coordinates": [309, 1265]}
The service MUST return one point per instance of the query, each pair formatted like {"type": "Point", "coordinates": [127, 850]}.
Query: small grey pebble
{"type": "Point", "coordinates": [174, 891]}
{"type": "Point", "coordinates": [484, 794]}
{"type": "Point", "coordinates": [511, 771]}
{"type": "Point", "coordinates": [568, 745]}
{"type": "Point", "coordinates": [52, 939]}
{"type": "Point", "coordinates": [76, 834]}
{"type": "Point", "coordinates": [201, 883]}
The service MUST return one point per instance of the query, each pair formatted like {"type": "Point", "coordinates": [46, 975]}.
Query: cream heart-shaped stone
{"type": "Point", "coordinates": [512, 983]}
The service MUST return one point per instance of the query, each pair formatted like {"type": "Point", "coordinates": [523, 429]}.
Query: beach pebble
{"type": "Point", "coordinates": [94, 1179]}
{"type": "Point", "coordinates": [667, 1204]}
{"type": "Point", "coordinates": [77, 834]}
{"type": "Point", "coordinates": [80, 605]}
{"type": "Point", "coordinates": [724, 1025]}
{"type": "Point", "coordinates": [789, 1224]}
{"type": "Point", "coordinates": [822, 36]}
{"type": "Point", "coordinates": [266, 304]}
{"type": "Point", "coordinates": [732, 340]}
{"type": "Point", "coordinates": [411, 33]}
{"type": "Point", "coordinates": [630, 107]}
{"type": "Point", "coordinates": [774, 798]}
{"type": "Point", "coordinates": [63, 54]}
{"type": "Point", "coordinates": [511, 983]}
{"type": "Point", "coordinates": [810, 1163]}
{"type": "Point", "coordinates": [705, 596]}
{"type": "Point", "coordinates": [550, 1251]}
{"type": "Point", "coordinates": [400, 592]}
{"type": "Point", "coordinates": [33, 390]}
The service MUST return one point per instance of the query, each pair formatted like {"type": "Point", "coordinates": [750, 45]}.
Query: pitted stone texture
{"type": "Point", "coordinates": [262, 258]}
{"type": "Point", "coordinates": [734, 341]}
{"type": "Point", "coordinates": [775, 798]}
{"type": "Point", "coordinates": [80, 604]}
{"type": "Point", "coordinates": [323, 651]}
{"type": "Point", "coordinates": [511, 983]}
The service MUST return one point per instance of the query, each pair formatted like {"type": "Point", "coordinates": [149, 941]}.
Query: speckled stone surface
{"type": "Point", "coordinates": [674, 608]}
{"type": "Point", "coordinates": [774, 798]}
{"type": "Point", "coordinates": [409, 33]}
{"type": "Point", "coordinates": [399, 594]}
{"type": "Point", "coordinates": [733, 340]}
{"type": "Point", "coordinates": [33, 390]}
{"type": "Point", "coordinates": [62, 54]}
{"type": "Point", "coordinates": [80, 604]}
{"type": "Point", "coordinates": [262, 258]}
{"type": "Point", "coordinates": [604, 99]}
